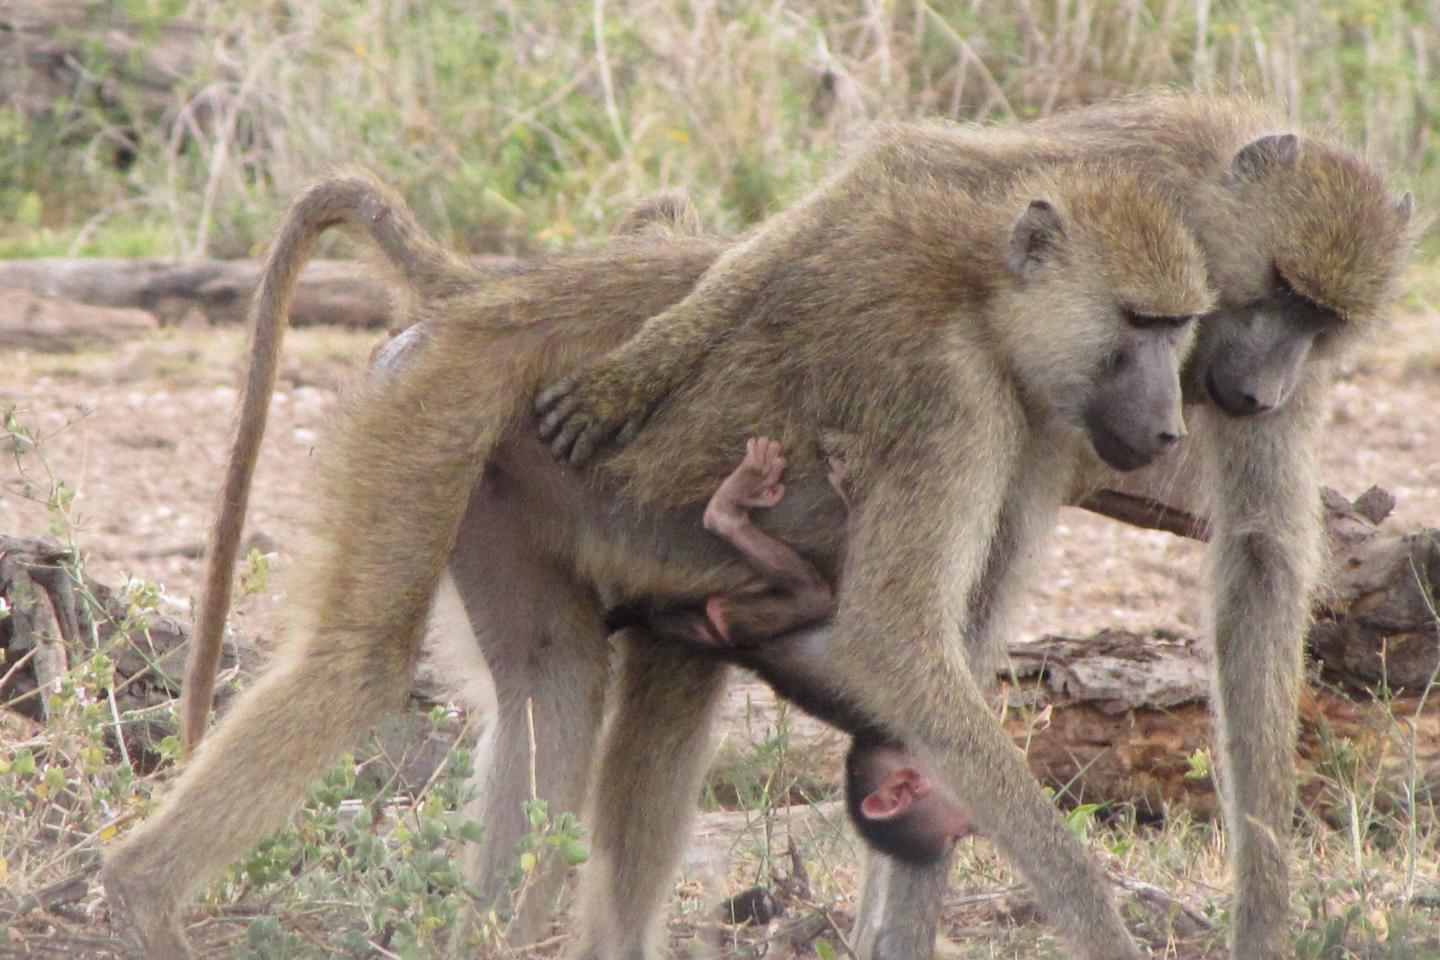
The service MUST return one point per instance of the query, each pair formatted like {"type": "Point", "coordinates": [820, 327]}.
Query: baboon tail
{"type": "Point", "coordinates": [357, 202]}
{"type": "Point", "coordinates": [369, 211]}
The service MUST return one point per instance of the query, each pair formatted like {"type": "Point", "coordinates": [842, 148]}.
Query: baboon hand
{"type": "Point", "coordinates": [579, 414]}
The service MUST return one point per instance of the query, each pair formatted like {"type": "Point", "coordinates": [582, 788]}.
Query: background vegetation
{"type": "Point", "coordinates": [524, 124]}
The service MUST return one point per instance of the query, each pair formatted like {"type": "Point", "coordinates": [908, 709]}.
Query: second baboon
{"type": "Point", "coordinates": [1304, 244]}
{"type": "Point", "coordinates": [982, 325]}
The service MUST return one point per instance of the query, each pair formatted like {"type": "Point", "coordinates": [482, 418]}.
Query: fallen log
{"type": "Point", "coordinates": [1375, 614]}
{"type": "Point", "coordinates": [1123, 718]}
{"type": "Point", "coordinates": [341, 293]}
{"type": "Point", "coordinates": [334, 292]}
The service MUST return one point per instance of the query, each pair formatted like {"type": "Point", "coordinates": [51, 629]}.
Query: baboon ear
{"type": "Point", "coordinates": [1405, 207]}
{"type": "Point", "coordinates": [1036, 235]}
{"type": "Point", "coordinates": [1276, 150]}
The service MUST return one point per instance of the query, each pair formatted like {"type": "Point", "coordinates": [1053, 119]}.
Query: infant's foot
{"type": "Point", "coordinates": [754, 483]}
{"type": "Point", "coordinates": [719, 621]}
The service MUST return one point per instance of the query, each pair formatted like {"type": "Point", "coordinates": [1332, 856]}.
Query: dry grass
{"type": "Point", "coordinates": [522, 126]}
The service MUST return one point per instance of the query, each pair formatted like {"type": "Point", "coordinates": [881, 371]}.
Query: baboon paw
{"type": "Point", "coordinates": [577, 417]}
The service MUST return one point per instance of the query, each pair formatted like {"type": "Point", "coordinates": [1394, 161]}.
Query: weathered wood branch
{"type": "Point", "coordinates": [55, 620]}
{"type": "Point", "coordinates": [1145, 512]}
{"type": "Point", "coordinates": [334, 292]}
{"type": "Point", "coordinates": [345, 293]}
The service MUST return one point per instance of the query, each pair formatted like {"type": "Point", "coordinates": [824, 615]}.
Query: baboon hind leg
{"type": "Point", "coordinates": [545, 646]}
{"type": "Point", "coordinates": [657, 748]}
{"type": "Point", "coordinates": [245, 780]}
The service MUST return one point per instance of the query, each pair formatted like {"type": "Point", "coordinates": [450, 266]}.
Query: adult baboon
{"type": "Point", "coordinates": [947, 331]}
{"type": "Point", "coordinates": [1303, 243]}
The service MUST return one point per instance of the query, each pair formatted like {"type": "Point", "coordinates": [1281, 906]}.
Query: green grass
{"type": "Point", "coordinates": [521, 127]}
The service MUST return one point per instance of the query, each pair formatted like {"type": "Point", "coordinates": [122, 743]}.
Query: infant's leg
{"type": "Point", "coordinates": [800, 594]}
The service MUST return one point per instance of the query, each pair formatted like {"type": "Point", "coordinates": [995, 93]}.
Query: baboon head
{"type": "Point", "coordinates": [898, 807]}
{"type": "Point", "coordinates": [1107, 282]}
{"type": "Point", "coordinates": [1304, 243]}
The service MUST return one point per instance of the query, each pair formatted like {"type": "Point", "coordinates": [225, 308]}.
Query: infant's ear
{"type": "Point", "coordinates": [896, 795]}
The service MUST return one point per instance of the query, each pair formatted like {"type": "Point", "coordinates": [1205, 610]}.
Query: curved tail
{"type": "Point", "coordinates": [357, 202]}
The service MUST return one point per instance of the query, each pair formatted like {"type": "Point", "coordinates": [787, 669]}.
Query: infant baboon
{"type": "Point", "coordinates": [948, 332]}
{"type": "Point", "coordinates": [1303, 243]}
{"type": "Point", "coordinates": [774, 628]}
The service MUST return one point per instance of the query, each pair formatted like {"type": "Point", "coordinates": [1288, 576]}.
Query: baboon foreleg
{"type": "Point", "coordinates": [900, 903]}
{"type": "Point", "coordinates": [899, 911]}
{"type": "Point", "coordinates": [656, 751]}
{"type": "Point", "coordinates": [899, 652]}
{"type": "Point", "coordinates": [1262, 558]}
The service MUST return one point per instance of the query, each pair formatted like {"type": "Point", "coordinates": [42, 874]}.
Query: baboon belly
{"type": "Point", "coordinates": [625, 550]}
{"type": "Point", "coordinates": [595, 533]}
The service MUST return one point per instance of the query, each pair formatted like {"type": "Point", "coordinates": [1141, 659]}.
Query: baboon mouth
{"type": "Point", "coordinates": [1217, 397]}
{"type": "Point", "coordinates": [1230, 405]}
{"type": "Point", "coordinates": [1117, 453]}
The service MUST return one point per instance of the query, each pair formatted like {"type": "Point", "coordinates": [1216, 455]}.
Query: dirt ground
{"type": "Point", "coordinates": [138, 432]}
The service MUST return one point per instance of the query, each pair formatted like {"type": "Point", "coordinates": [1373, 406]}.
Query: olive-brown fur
{"type": "Point", "coordinates": [1299, 234]}
{"type": "Point", "coordinates": [943, 387]}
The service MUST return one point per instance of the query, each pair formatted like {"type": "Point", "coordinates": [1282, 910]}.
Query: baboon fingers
{"type": "Point", "coordinates": [574, 435]}
{"type": "Point", "coordinates": [564, 437]}
{"type": "Point", "coordinates": [590, 438]}
{"type": "Point", "coordinates": [558, 418]}
{"type": "Point", "coordinates": [629, 431]}
{"type": "Point", "coordinates": [550, 396]}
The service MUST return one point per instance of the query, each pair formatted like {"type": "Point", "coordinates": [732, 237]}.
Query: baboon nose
{"type": "Point", "coordinates": [1254, 404]}
{"type": "Point", "coordinates": [1168, 437]}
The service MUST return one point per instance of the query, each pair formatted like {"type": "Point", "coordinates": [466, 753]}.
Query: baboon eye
{"type": "Point", "coordinates": [1152, 321]}
{"type": "Point", "coordinates": [1300, 305]}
